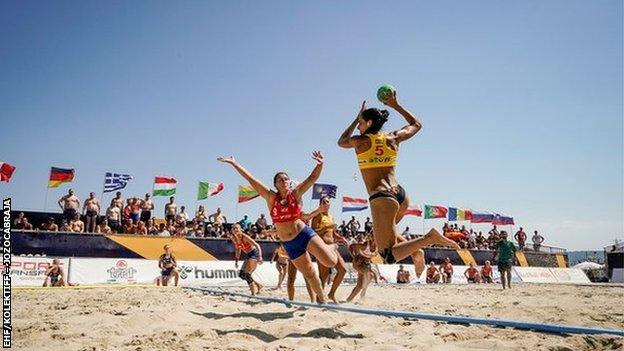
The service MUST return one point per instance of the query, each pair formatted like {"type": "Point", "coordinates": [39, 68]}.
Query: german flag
{"type": "Point", "coordinates": [59, 176]}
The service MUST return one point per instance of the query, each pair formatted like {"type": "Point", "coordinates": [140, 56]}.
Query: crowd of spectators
{"type": "Point", "coordinates": [135, 216]}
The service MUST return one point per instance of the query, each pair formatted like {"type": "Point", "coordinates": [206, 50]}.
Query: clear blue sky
{"type": "Point", "coordinates": [521, 102]}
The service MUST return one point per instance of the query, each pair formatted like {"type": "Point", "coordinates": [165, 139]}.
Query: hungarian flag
{"type": "Point", "coordinates": [164, 186]}
{"type": "Point", "coordinates": [246, 193]}
{"type": "Point", "coordinates": [353, 204]}
{"type": "Point", "coordinates": [435, 212]}
{"type": "Point", "coordinates": [208, 189]}
{"type": "Point", "coordinates": [6, 171]}
{"type": "Point", "coordinates": [59, 176]}
{"type": "Point", "coordinates": [414, 210]}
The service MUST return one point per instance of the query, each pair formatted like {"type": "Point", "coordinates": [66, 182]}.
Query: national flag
{"type": "Point", "coordinates": [502, 220]}
{"type": "Point", "coordinates": [457, 214]}
{"type": "Point", "coordinates": [468, 215]}
{"type": "Point", "coordinates": [246, 193]}
{"type": "Point", "coordinates": [115, 181]}
{"type": "Point", "coordinates": [59, 176]}
{"type": "Point", "coordinates": [435, 212]}
{"type": "Point", "coordinates": [320, 190]}
{"type": "Point", "coordinates": [414, 210]}
{"type": "Point", "coordinates": [208, 189]}
{"type": "Point", "coordinates": [353, 204]}
{"type": "Point", "coordinates": [482, 217]}
{"type": "Point", "coordinates": [6, 171]}
{"type": "Point", "coordinates": [164, 186]}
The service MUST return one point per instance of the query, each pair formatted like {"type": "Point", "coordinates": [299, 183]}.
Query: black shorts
{"type": "Point", "coordinates": [146, 216]}
{"type": "Point", "coordinates": [92, 213]}
{"type": "Point", "coordinates": [504, 266]}
{"type": "Point", "coordinates": [399, 195]}
{"type": "Point", "coordinates": [69, 214]}
{"type": "Point", "coordinates": [472, 280]}
{"type": "Point", "coordinates": [170, 218]}
{"type": "Point", "coordinates": [166, 272]}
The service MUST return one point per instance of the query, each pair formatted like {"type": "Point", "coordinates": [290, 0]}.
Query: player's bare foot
{"type": "Point", "coordinates": [435, 238]}
{"type": "Point", "coordinates": [419, 262]}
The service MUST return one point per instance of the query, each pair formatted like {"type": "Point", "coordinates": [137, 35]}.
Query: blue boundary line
{"type": "Point", "coordinates": [541, 327]}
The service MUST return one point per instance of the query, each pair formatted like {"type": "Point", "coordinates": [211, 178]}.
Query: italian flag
{"type": "Point", "coordinates": [164, 186]}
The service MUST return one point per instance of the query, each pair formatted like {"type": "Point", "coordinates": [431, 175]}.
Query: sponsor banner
{"type": "Point", "coordinates": [618, 275]}
{"type": "Point", "coordinates": [30, 271]}
{"type": "Point", "coordinates": [113, 271]}
{"type": "Point", "coordinates": [535, 274]}
{"type": "Point", "coordinates": [570, 275]}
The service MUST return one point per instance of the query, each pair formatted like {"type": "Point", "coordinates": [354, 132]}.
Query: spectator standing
{"type": "Point", "coordinates": [520, 238]}
{"type": "Point", "coordinates": [472, 239]}
{"type": "Point", "coordinates": [127, 211]}
{"type": "Point", "coordinates": [406, 233]}
{"type": "Point", "coordinates": [343, 229]}
{"type": "Point", "coordinates": [261, 223]}
{"type": "Point", "coordinates": [118, 201]}
{"type": "Point", "coordinates": [136, 208]}
{"type": "Point", "coordinates": [245, 222]}
{"type": "Point", "coordinates": [505, 251]}
{"type": "Point", "coordinates": [69, 205]}
{"type": "Point", "coordinates": [537, 241]}
{"type": "Point", "coordinates": [218, 220]}
{"type": "Point", "coordinates": [403, 275]}
{"type": "Point", "coordinates": [170, 210]}
{"type": "Point", "coordinates": [354, 226]}
{"type": "Point", "coordinates": [480, 240]}
{"type": "Point", "coordinates": [182, 216]}
{"type": "Point", "coordinates": [486, 273]}
{"type": "Point", "coordinates": [433, 274]}
{"type": "Point", "coordinates": [147, 205]}
{"type": "Point", "coordinates": [446, 268]}
{"type": "Point", "coordinates": [113, 214]}
{"type": "Point", "coordinates": [200, 215]}
{"type": "Point", "coordinates": [91, 210]}
{"type": "Point", "coordinates": [368, 226]}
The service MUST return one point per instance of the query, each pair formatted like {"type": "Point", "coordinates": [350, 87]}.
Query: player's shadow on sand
{"type": "Point", "coordinates": [267, 316]}
{"type": "Point", "coordinates": [328, 333]}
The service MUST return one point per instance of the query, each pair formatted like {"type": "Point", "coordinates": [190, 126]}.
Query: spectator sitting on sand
{"type": "Point", "coordinates": [433, 275]}
{"type": "Point", "coordinates": [403, 275]}
{"type": "Point", "coordinates": [113, 215]}
{"type": "Point", "coordinates": [446, 268]}
{"type": "Point", "coordinates": [54, 275]}
{"type": "Point", "coordinates": [486, 273]}
{"type": "Point", "coordinates": [472, 274]}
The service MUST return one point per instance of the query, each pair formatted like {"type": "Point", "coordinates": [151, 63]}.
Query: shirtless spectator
{"type": "Point", "coordinates": [403, 275]}
{"type": "Point", "coordinates": [446, 268]}
{"type": "Point", "coordinates": [342, 228]}
{"type": "Point", "coordinates": [200, 215]}
{"type": "Point", "coordinates": [480, 240]}
{"type": "Point", "coordinates": [218, 220]}
{"type": "Point", "coordinates": [433, 274]}
{"type": "Point", "coordinates": [54, 275]}
{"type": "Point", "coordinates": [141, 229]}
{"type": "Point", "coordinates": [69, 205]}
{"type": "Point", "coordinates": [103, 228]}
{"type": "Point", "coordinates": [136, 206]}
{"type": "Point", "coordinates": [520, 238]}
{"type": "Point", "coordinates": [76, 225]}
{"type": "Point", "coordinates": [49, 225]}
{"type": "Point", "coordinates": [354, 226]}
{"type": "Point", "coordinates": [472, 239]}
{"type": "Point", "coordinates": [171, 209]}
{"type": "Point", "coordinates": [65, 227]}
{"type": "Point", "coordinates": [18, 223]}
{"type": "Point", "coordinates": [368, 226]}
{"type": "Point", "coordinates": [147, 205]}
{"type": "Point", "coordinates": [91, 210]}
{"type": "Point", "coordinates": [113, 215]}
{"type": "Point", "coordinates": [127, 211]}
{"type": "Point", "coordinates": [162, 230]}
{"type": "Point", "coordinates": [117, 201]}
{"type": "Point", "coordinates": [129, 227]}
{"type": "Point", "coordinates": [182, 216]}
{"type": "Point", "coordinates": [537, 241]}
{"type": "Point", "coordinates": [27, 225]}
{"type": "Point", "coordinates": [486, 273]}
{"type": "Point", "coordinates": [261, 223]}
{"type": "Point", "coordinates": [472, 274]}
{"type": "Point", "coordinates": [493, 237]}
{"type": "Point", "coordinates": [151, 228]}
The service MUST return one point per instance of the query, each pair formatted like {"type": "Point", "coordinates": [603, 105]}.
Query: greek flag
{"type": "Point", "coordinates": [115, 181]}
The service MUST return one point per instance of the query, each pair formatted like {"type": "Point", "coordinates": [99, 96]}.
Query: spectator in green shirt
{"type": "Point", "coordinates": [506, 253]}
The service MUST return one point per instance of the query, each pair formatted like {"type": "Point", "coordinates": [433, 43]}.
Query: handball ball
{"type": "Point", "coordinates": [384, 92]}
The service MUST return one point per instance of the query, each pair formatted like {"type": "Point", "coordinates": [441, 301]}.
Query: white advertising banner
{"type": "Point", "coordinates": [30, 271]}
{"type": "Point", "coordinates": [570, 275]}
{"type": "Point", "coordinates": [618, 275]}
{"type": "Point", "coordinates": [113, 271]}
{"type": "Point", "coordinates": [535, 274]}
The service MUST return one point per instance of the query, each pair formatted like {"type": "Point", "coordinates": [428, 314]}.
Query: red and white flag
{"type": "Point", "coordinates": [353, 204]}
{"type": "Point", "coordinates": [6, 171]}
{"type": "Point", "coordinates": [414, 210]}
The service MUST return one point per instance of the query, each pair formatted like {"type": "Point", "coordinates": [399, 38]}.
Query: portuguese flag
{"type": "Point", "coordinates": [435, 211]}
{"type": "Point", "coordinates": [164, 186]}
{"type": "Point", "coordinates": [59, 176]}
{"type": "Point", "coordinates": [246, 193]}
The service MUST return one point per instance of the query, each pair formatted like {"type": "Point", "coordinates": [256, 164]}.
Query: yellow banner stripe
{"type": "Point", "coordinates": [561, 261]}
{"type": "Point", "coordinates": [152, 247]}
{"type": "Point", "coordinates": [522, 259]}
{"type": "Point", "coordinates": [466, 256]}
